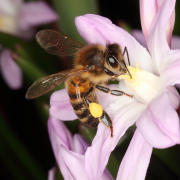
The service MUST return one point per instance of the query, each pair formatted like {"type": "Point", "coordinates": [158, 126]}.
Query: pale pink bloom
{"type": "Point", "coordinates": [10, 71]}
{"type": "Point", "coordinates": [153, 109]}
{"type": "Point", "coordinates": [69, 152]}
{"type": "Point", "coordinates": [20, 19]}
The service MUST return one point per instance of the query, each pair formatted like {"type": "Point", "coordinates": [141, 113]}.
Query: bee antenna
{"type": "Point", "coordinates": [129, 72]}
{"type": "Point", "coordinates": [126, 51]}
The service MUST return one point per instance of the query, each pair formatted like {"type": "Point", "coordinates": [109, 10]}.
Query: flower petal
{"type": "Point", "coordinates": [171, 74]}
{"type": "Point", "coordinates": [35, 14]}
{"type": "Point", "coordinates": [11, 72]}
{"type": "Point", "coordinates": [159, 123]}
{"type": "Point", "coordinates": [52, 174]}
{"type": "Point", "coordinates": [139, 36]}
{"type": "Point", "coordinates": [173, 96]}
{"type": "Point", "coordinates": [61, 107]}
{"type": "Point", "coordinates": [101, 30]}
{"type": "Point", "coordinates": [10, 8]}
{"type": "Point", "coordinates": [80, 144]}
{"type": "Point", "coordinates": [157, 41]}
{"type": "Point", "coordinates": [124, 113]}
{"type": "Point", "coordinates": [59, 134]}
{"type": "Point", "coordinates": [74, 164]}
{"type": "Point", "coordinates": [148, 10]}
{"type": "Point", "coordinates": [136, 160]}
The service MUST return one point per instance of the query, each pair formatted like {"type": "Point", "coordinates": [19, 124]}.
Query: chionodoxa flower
{"type": "Point", "coordinates": [153, 108]}
{"type": "Point", "coordinates": [20, 19]}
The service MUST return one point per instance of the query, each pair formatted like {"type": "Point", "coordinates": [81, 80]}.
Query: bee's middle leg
{"type": "Point", "coordinates": [113, 92]}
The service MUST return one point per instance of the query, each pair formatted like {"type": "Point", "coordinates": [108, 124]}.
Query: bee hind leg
{"type": "Point", "coordinates": [97, 112]}
{"type": "Point", "coordinates": [106, 120]}
{"type": "Point", "coordinates": [113, 92]}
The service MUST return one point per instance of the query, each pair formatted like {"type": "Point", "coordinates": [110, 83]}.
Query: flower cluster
{"type": "Point", "coordinates": [153, 109]}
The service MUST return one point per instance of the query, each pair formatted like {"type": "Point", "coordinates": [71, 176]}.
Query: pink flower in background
{"type": "Point", "coordinates": [20, 19]}
{"type": "Point", "coordinates": [69, 152]}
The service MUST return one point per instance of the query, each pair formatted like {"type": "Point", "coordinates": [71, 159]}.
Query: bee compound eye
{"type": "Point", "coordinates": [112, 61]}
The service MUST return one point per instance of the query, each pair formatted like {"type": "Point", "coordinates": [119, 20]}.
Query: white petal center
{"type": "Point", "coordinates": [143, 84]}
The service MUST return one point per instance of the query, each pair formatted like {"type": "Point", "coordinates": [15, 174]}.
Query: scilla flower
{"type": "Point", "coordinates": [69, 152]}
{"type": "Point", "coordinates": [155, 101]}
{"type": "Point", "coordinates": [20, 19]}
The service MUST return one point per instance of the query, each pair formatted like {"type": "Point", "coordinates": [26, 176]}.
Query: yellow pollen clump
{"type": "Point", "coordinates": [133, 72]}
{"type": "Point", "coordinates": [96, 110]}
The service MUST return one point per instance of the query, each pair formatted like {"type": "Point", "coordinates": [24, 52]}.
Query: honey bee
{"type": "Point", "coordinates": [94, 65]}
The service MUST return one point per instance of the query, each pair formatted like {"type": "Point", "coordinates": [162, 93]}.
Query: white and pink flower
{"type": "Point", "coordinates": [156, 117]}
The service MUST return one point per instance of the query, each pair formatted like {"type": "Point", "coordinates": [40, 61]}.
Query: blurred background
{"type": "Point", "coordinates": [25, 150]}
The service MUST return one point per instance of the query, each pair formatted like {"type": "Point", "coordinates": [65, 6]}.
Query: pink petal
{"type": "Point", "coordinates": [74, 164]}
{"type": "Point", "coordinates": [101, 30]}
{"type": "Point", "coordinates": [139, 36]}
{"type": "Point", "coordinates": [157, 42]}
{"type": "Point", "coordinates": [106, 175]}
{"type": "Point", "coordinates": [11, 72]}
{"type": "Point", "coordinates": [159, 123]}
{"type": "Point", "coordinates": [136, 160]}
{"type": "Point", "coordinates": [61, 107]}
{"type": "Point", "coordinates": [10, 8]}
{"type": "Point", "coordinates": [80, 144]}
{"type": "Point", "coordinates": [34, 14]}
{"type": "Point", "coordinates": [52, 174]}
{"type": "Point", "coordinates": [171, 74]}
{"type": "Point", "coordinates": [148, 10]}
{"type": "Point", "coordinates": [124, 113]}
{"type": "Point", "coordinates": [59, 135]}
{"type": "Point", "coordinates": [173, 96]}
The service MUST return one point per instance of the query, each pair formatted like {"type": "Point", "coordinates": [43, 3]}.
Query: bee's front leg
{"type": "Point", "coordinates": [113, 92]}
{"type": "Point", "coordinates": [97, 111]}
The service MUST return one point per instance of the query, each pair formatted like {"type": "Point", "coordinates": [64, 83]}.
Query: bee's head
{"type": "Point", "coordinates": [115, 60]}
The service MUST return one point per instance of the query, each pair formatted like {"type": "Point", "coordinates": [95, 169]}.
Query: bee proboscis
{"type": "Point", "coordinates": [94, 65]}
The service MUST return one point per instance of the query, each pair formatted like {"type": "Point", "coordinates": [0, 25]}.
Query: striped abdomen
{"type": "Point", "coordinates": [77, 87]}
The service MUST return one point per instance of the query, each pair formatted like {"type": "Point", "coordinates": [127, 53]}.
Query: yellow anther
{"type": "Point", "coordinates": [133, 72]}
{"type": "Point", "coordinates": [96, 110]}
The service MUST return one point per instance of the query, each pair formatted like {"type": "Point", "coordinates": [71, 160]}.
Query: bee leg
{"type": "Point", "coordinates": [85, 96]}
{"type": "Point", "coordinates": [110, 73]}
{"type": "Point", "coordinates": [104, 118]}
{"type": "Point", "coordinates": [113, 92]}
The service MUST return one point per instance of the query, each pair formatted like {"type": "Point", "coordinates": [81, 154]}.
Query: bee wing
{"type": "Point", "coordinates": [45, 84]}
{"type": "Point", "coordinates": [57, 43]}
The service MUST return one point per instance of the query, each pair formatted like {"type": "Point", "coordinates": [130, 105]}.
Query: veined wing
{"type": "Point", "coordinates": [45, 84]}
{"type": "Point", "coordinates": [57, 43]}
